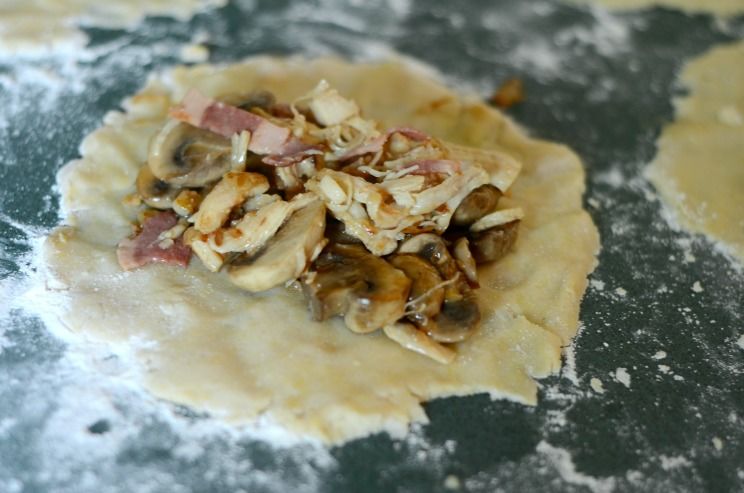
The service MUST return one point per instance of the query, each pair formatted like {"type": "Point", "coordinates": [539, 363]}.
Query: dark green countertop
{"type": "Point", "coordinates": [600, 82]}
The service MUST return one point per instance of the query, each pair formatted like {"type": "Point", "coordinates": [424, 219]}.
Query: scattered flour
{"type": "Point", "coordinates": [452, 482]}
{"type": "Point", "coordinates": [569, 365]}
{"type": "Point", "coordinates": [40, 29]}
{"type": "Point", "coordinates": [596, 284]}
{"type": "Point", "coordinates": [664, 369]}
{"type": "Point", "coordinates": [562, 461]}
{"type": "Point", "coordinates": [668, 463]}
{"type": "Point", "coordinates": [740, 341]}
{"type": "Point", "coordinates": [659, 355]}
{"type": "Point", "coordinates": [194, 53]}
{"type": "Point", "coordinates": [622, 376]}
{"type": "Point", "coordinates": [596, 385]}
{"type": "Point", "coordinates": [696, 287]}
{"type": "Point", "coordinates": [621, 292]}
{"type": "Point", "coordinates": [717, 443]}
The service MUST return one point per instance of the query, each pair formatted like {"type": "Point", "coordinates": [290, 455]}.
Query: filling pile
{"type": "Point", "coordinates": [384, 228]}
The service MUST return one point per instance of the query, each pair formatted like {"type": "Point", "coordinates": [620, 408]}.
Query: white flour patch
{"type": "Point", "coordinates": [596, 385]}
{"type": "Point", "coordinates": [562, 461]}
{"type": "Point", "coordinates": [717, 443]}
{"type": "Point", "coordinates": [697, 287]}
{"type": "Point", "coordinates": [621, 292]}
{"type": "Point", "coordinates": [674, 462]}
{"type": "Point", "coordinates": [609, 34]}
{"type": "Point", "coordinates": [596, 284]}
{"type": "Point", "coordinates": [659, 355]}
{"type": "Point", "coordinates": [740, 341]}
{"type": "Point", "coordinates": [34, 30]}
{"type": "Point", "coordinates": [569, 368]}
{"type": "Point", "coordinates": [622, 376]}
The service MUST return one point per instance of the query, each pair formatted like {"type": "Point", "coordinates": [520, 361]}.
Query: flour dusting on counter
{"type": "Point", "coordinates": [602, 68]}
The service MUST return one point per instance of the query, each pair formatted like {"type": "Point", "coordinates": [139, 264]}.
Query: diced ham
{"type": "Point", "coordinates": [428, 166]}
{"type": "Point", "coordinates": [376, 144]}
{"type": "Point", "coordinates": [145, 247]}
{"type": "Point", "coordinates": [267, 138]}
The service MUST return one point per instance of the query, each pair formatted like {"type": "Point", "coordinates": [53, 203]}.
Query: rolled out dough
{"type": "Point", "coordinates": [699, 166]}
{"type": "Point", "coordinates": [204, 343]}
{"type": "Point", "coordinates": [48, 26]}
{"type": "Point", "coordinates": [719, 7]}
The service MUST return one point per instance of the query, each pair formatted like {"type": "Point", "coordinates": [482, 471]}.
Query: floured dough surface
{"type": "Point", "coordinates": [720, 7]}
{"type": "Point", "coordinates": [699, 168]}
{"type": "Point", "coordinates": [205, 343]}
{"type": "Point", "coordinates": [42, 26]}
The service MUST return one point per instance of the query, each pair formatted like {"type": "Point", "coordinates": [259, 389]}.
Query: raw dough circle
{"type": "Point", "coordinates": [719, 7]}
{"type": "Point", "coordinates": [699, 167]}
{"type": "Point", "coordinates": [49, 26]}
{"type": "Point", "coordinates": [205, 343]}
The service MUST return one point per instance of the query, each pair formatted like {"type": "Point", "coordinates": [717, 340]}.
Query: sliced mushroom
{"type": "Point", "coordinates": [432, 248]}
{"type": "Point", "coordinates": [466, 261]}
{"type": "Point", "coordinates": [286, 255]}
{"type": "Point", "coordinates": [493, 243]}
{"type": "Point", "coordinates": [348, 280]}
{"type": "Point", "coordinates": [497, 218]}
{"type": "Point", "coordinates": [459, 316]}
{"type": "Point", "coordinates": [413, 339]}
{"type": "Point", "coordinates": [247, 101]}
{"type": "Point", "coordinates": [187, 156]}
{"type": "Point", "coordinates": [153, 191]}
{"type": "Point", "coordinates": [427, 293]}
{"type": "Point", "coordinates": [476, 204]}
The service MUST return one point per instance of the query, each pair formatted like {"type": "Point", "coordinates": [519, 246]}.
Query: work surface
{"type": "Point", "coordinates": [661, 318]}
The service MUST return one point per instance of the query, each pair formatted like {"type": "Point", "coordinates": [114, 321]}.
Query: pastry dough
{"type": "Point", "coordinates": [38, 26]}
{"type": "Point", "coordinates": [699, 167]}
{"type": "Point", "coordinates": [720, 7]}
{"type": "Point", "coordinates": [205, 343]}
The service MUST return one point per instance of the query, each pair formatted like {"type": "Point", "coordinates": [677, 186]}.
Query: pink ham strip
{"type": "Point", "coordinates": [376, 144]}
{"type": "Point", "coordinates": [267, 138]}
{"type": "Point", "coordinates": [428, 166]}
{"type": "Point", "coordinates": [144, 248]}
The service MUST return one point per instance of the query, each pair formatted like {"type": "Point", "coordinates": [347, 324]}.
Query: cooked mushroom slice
{"type": "Point", "coordinates": [258, 98]}
{"type": "Point", "coordinates": [348, 280]}
{"type": "Point", "coordinates": [497, 218]}
{"type": "Point", "coordinates": [459, 318]}
{"type": "Point", "coordinates": [476, 204]}
{"type": "Point", "coordinates": [432, 248]}
{"type": "Point", "coordinates": [153, 191]}
{"type": "Point", "coordinates": [286, 255]}
{"type": "Point", "coordinates": [493, 243]}
{"type": "Point", "coordinates": [427, 292]}
{"type": "Point", "coordinates": [187, 156]}
{"type": "Point", "coordinates": [413, 339]}
{"type": "Point", "coordinates": [466, 261]}
{"type": "Point", "coordinates": [459, 315]}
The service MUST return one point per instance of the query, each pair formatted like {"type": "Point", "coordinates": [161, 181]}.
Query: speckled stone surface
{"type": "Point", "coordinates": [669, 415]}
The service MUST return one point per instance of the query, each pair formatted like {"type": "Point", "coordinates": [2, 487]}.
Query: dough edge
{"type": "Point", "coordinates": [698, 169]}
